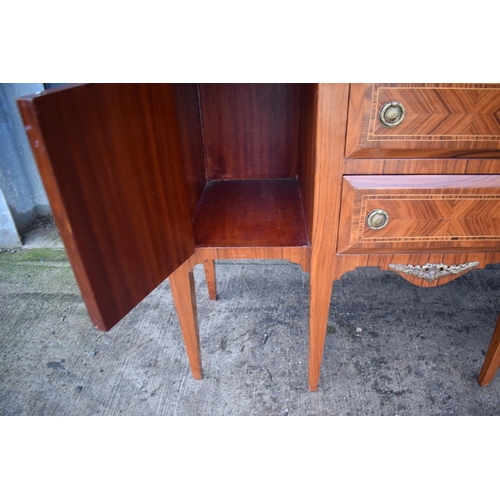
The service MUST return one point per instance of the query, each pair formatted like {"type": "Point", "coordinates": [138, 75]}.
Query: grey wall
{"type": "Point", "coordinates": [23, 194]}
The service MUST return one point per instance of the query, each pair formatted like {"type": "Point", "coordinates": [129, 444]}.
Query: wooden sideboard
{"type": "Point", "coordinates": [146, 181]}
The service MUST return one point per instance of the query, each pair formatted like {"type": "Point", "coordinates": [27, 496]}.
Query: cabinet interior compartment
{"type": "Point", "coordinates": [131, 169]}
{"type": "Point", "coordinates": [248, 152]}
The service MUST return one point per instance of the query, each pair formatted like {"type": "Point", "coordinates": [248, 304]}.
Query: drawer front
{"type": "Point", "coordinates": [415, 213]}
{"type": "Point", "coordinates": [435, 120]}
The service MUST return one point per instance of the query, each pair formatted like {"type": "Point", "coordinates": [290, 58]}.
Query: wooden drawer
{"type": "Point", "coordinates": [442, 213]}
{"type": "Point", "coordinates": [440, 120]}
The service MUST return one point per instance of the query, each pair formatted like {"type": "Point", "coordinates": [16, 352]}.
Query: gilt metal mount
{"type": "Point", "coordinates": [432, 272]}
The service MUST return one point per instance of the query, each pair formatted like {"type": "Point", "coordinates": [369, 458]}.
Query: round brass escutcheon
{"type": "Point", "coordinates": [377, 219]}
{"type": "Point", "coordinates": [392, 114]}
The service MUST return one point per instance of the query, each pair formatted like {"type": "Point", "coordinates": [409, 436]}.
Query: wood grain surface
{"type": "Point", "coordinates": [250, 130]}
{"type": "Point", "coordinates": [428, 166]}
{"type": "Point", "coordinates": [332, 103]}
{"type": "Point", "coordinates": [346, 263]}
{"type": "Point", "coordinates": [439, 212]}
{"type": "Point", "coordinates": [110, 159]}
{"type": "Point", "coordinates": [250, 213]}
{"type": "Point", "coordinates": [147, 181]}
{"type": "Point", "coordinates": [441, 121]}
{"type": "Point", "coordinates": [297, 255]}
{"type": "Point", "coordinates": [307, 150]}
{"type": "Point", "coordinates": [492, 358]}
{"type": "Point", "coordinates": [210, 278]}
{"type": "Point", "coordinates": [184, 295]}
{"type": "Point", "coordinates": [191, 140]}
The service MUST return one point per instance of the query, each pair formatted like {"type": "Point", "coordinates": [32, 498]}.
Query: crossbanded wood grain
{"type": "Point", "coordinates": [441, 121]}
{"type": "Point", "coordinates": [447, 218]}
{"type": "Point", "coordinates": [436, 112]}
{"type": "Point", "coordinates": [414, 218]}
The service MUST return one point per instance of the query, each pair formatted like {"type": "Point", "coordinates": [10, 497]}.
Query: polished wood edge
{"type": "Point", "coordinates": [450, 152]}
{"type": "Point", "coordinates": [307, 150]}
{"type": "Point", "coordinates": [27, 108]}
{"type": "Point", "coordinates": [420, 183]}
{"type": "Point", "coordinates": [210, 278]}
{"type": "Point", "coordinates": [492, 358]}
{"type": "Point", "coordinates": [419, 166]}
{"type": "Point", "coordinates": [183, 292]}
{"type": "Point", "coordinates": [329, 146]}
{"type": "Point", "coordinates": [347, 219]}
{"type": "Point", "coordinates": [297, 255]}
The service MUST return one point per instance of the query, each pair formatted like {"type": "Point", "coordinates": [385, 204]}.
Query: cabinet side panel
{"type": "Point", "coordinates": [250, 130]}
{"type": "Point", "coordinates": [191, 141]}
{"type": "Point", "coordinates": [307, 151]}
{"type": "Point", "coordinates": [110, 160]}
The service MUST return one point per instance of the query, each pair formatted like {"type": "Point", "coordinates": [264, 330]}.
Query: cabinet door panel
{"type": "Point", "coordinates": [110, 160]}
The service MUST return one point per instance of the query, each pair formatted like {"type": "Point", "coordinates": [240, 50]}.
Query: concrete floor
{"type": "Point", "coordinates": [393, 348]}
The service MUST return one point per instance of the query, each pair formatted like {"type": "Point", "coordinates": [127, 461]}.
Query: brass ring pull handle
{"type": "Point", "coordinates": [377, 219]}
{"type": "Point", "coordinates": [392, 114]}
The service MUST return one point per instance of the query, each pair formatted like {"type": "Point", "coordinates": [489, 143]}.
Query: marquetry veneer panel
{"type": "Point", "coordinates": [425, 212]}
{"type": "Point", "coordinates": [440, 121]}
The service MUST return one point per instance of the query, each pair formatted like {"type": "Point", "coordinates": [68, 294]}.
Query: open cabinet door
{"type": "Point", "coordinates": [110, 159]}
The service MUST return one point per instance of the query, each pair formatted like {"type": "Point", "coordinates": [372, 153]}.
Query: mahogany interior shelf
{"type": "Point", "coordinates": [250, 213]}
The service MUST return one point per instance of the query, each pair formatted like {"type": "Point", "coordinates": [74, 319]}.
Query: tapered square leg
{"type": "Point", "coordinates": [320, 294]}
{"type": "Point", "coordinates": [183, 292]}
{"type": "Point", "coordinates": [209, 266]}
{"type": "Point", "coordinates": [492, 358]}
